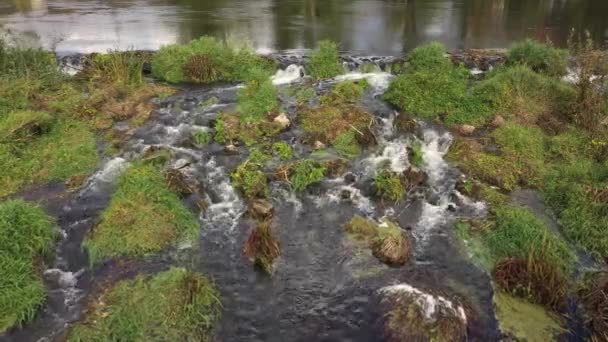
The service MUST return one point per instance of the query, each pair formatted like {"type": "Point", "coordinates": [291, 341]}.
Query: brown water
{"type": "Point", "coordinates": [362, 26]}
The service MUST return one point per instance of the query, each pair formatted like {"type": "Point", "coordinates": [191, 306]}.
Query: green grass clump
{"type": "Point", "coordinates": [201, 137]}
{"type": "Point", "coordinates": [282, 150]}
{"type": "Point", "coordinates": [27, 63]}
{"type": "Point", "coordinates": [250, 179]}
{"type": "Point", "coordinates": [122, 68]}
{"type": "Point", "coordinates": [232, 127]}
{"type": "Point", "coordinates": [206, 60]}
{"type": "Point", "coordinates": [388, 186]}
{"type": "Point", "coordinates": [143, 217]}
{"type": "Point", "coordinates": [26, 236]}
{"type": "Point", "coordinates": [325, 62]}
{"type": "Point", "coordinates": [174, 305]}
{"type": "Point", "coordinates": [56, 153]}
{"type": "Point", "coordinates": [416, 155]}
{"type": "Point", "coordinates": [346, 145]}
{"type": "Point", "coordinates": [386, 239]}
{"type": "Point", "coordinates": [349, 92]}
{"type": "Point", "coordinates": [305, 173]}
{"type": "Point", "coordinates": [541, 58]}
{"type": "Point", "coordinates": [258, 98]}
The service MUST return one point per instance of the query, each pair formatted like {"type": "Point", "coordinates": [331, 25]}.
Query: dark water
{"type": "Point", "coordinates": [364, 26]}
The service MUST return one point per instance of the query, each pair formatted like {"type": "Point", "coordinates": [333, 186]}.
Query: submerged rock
{"type": "Point", "coordinates": [415, 315]}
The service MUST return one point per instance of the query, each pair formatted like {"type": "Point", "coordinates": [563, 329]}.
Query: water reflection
{"type": "Point", "coordinates": [366, 26]}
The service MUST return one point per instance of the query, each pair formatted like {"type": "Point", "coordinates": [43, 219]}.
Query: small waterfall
{"type": "Point", "coordinates": [291, 74]}
{"type": "Point", "coordinates": [225, 213]}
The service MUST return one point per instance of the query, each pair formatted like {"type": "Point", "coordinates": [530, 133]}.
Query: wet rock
{"type": "Point", "coordinates": [232, 149]}
{"type": "Point", "coordinates": [261, 208]}
{"type": "Point", "coordinates": [350, 178]}
{"type": "Point", "coordinates": [282, 120]}
{"type": "Point", "coordinates": [416, 315]}
{"type": "Point", "coordinates": [469, 188]}
{"type": "Point", "coordinates": [498, 121]}
{"type": "Point", "coordinates": [413, 178]}
{"type": "Point", "coordinates": [178, 182]}
{"type": "Point", "coordinates": [319, 145]}
{"type": "Point", "coordinates": [482, 59]}
{"type": "Point", "coordinates": [465, 130]}
{"type": "Point", "coordinates": [156, 155]}
{"type": "Point", "coordinates": [451, 207]}
{"type": "Point", "coordinates": [345, 194]}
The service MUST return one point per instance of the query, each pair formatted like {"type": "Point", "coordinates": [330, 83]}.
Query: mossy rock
{"type": "Point", "coordinates": [386, 239]}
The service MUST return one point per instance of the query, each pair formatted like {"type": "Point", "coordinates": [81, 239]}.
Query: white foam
{"type": "Point", "coordinates": [224, 214]}
{"type": "Point", "coordinates": [378, 80]}
{"type": "Point", "coordinates": [334, 195]}
{"type": "Point", "coordinates": [291, 74]}
{"type": "Point", "coordinates": [429, 303]}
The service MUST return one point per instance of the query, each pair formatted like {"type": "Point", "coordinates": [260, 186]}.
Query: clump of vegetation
{"type": "Point", "coordinates": [282, 150]}
{"type": "Point", "coordinates": [593, 293]}
{"type": "Point", "coordinates": [325, 62]}
{"type": "Point", "coordinates": [201, 137]}
{"type": "Point", "coordinates": [206, 60]}
{"type": "Point", "coordinates": [386, 240]}
{"type": "Point", "coordinates": [388, 186]}
{"type": "Point", "coordinates": [143, 217]}
{"type": "Point", "coordinates": [303, 93]}
{"type": "Point", "coordinates": [347, 145]}
{"type": "Point", "coordinates": [525, 321]}
{"type": "Point", "coordinates": [186, 309]}
{"type": "Point", "coordinates": [262, 248]}
{"type": "Point", "coordinates": [35, 149]}
{"type": "Point", "coordinates": [258, 98]}
{"type": "Point", "coordinates": [416, 155]}
{"type": "Point", "coordinates": [230, 128]}
{"type": "Point", "coordinates": [349, 92]}
{"type": "Point", "coordinates": [542, 58]}
{"type": "Point", "coordinates": [414, 315]}
{"type": "Point", "coordinates": [26, 236]}
{"type": "Point", "coordinates": [305, 173]}
{"type": "Point", "coordinates": [250, 179]}
{"type": "Point", "coordinates": [122, 68]}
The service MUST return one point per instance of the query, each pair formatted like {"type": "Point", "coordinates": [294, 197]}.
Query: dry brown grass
{"type": "Point", "coordinates": [595, 300]}
{"type": "Point", "coordinates": [200, 69]}
{"type": "Point", "coordinates": [326, 123]}
{"type": "Point", "coordinates": [262, 248]}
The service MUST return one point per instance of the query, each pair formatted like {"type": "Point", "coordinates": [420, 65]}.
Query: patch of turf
{"type": "Point", "coordinates": [541, 58]}
{"type": "Point", "coordinates": [26, 236]}
{"type": "Point", "coordinates": [143, 217]}
{"type": "Point", "coordinates": [258, 98]}
{"type": "Point", "coordinates": [305, 173]}
{"type": "Point", "coordinates": [388, 186]}
{"type": "Point", "coordinates": [346, 145]}
{"type": "Point", "coordinates": [175, 305]}
{"type": "Point", "coordinates": [349, 92]}
{"type": "Point", "coordinates": [282, 150]}
{"type": "Point", "coordinates": [325, 62]}
{"type": "Point", "coordinates": [250, 179]}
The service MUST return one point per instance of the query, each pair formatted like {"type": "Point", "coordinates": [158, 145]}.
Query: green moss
{"type": "Point", "coordinates": [303, 93]}
{"type": "Point", "coordinates": [68, 149]}
{"type": "Point", "coordinates": [259, 131]}
{"type": "Point", "coordinates": [258, 98]}
{"type": "Point", "coordinates": [175, 305]}
{"type": "Point", "coordinates": [474, 243]}
{"type": "Point", "coordinates": [327, 123]}
{"type": "Point", "coordinates": [26, 235]}
{"type": "Point", "coordinates": [525, 321]}
{"type": "Point", "coordinates": [345, 93]}
{"type": "Point", "coordinates": [388, 186]}
{"type": "Point", "coordinates": [416, 155]}
{"type": "Point", "coordinates": [305, 173]}
{"type": "Point", "coordinates": [175, 63]}
{"type": "Point", "coordinates": [143, 217]}
{"type": "Point", "coordinates": [282, 150]}
{"type": "Point", "coordinates": [346, 145]}
{"type": "Point", "coordinates": [201, 137]}
{"type": "Point", "coordinates": [325, 62]}
{"type": "Point", "coordinates": [250, 180]}
{"type": "Point", "coordinates": [541, 58]}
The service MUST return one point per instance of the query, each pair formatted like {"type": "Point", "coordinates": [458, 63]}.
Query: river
{"type": "Point", "coordinates": [377, 27]}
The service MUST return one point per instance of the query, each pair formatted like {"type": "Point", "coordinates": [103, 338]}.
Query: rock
{"type": "Point", "coordinates": [232, 149]}
{"type": "Point", "coordinates": [411, 314]}
{"type": "Point", "coordinates": [178, 182]}
{"type": "Point", "coordinates": [465, 130]}
{"type": "Point", "coordinates": [350, 178]}
{"type": "Point", "coordinates": [261, 208]}
{"type": "Point", "coordinates": [282, 120]}
{"type": "Point", "coordinates": [319, 145]}
{"type": "Point", "coordinates": [498, 121]}
{"type": "Point", "coordinates": [345, 194]}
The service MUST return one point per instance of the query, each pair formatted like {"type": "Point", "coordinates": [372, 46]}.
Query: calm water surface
{"type": "Point", "coordinates": [361, 26]}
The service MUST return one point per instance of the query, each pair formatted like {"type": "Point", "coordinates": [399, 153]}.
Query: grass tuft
{"type": "Point", "coordinates": [306, 173]}
{"type": "Point", "coordinates": [262, 247]}
{"type": "Point", "coordinates": [388, 186]}
{"type": "Point", "coordinates": [542, 58]}
{"type": "Point", "coordinates": [325, 62]}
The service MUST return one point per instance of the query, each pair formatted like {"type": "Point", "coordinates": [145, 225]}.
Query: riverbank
{"type": "Point", "coordinates": [211, 174]}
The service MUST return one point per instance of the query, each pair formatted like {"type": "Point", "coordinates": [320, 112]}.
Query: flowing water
{"type": "Point", "coordinates": [383, 27]}
{"type": "Point", "coordinates": [323, 287]}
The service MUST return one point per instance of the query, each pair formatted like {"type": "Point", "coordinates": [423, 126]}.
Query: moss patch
{"type": "Point", "coordinates": [526, 321]}
{"type": "Point", "coordinates": [26, 235]}
{"type": "Point", "coordinates": [542, 58]}
{"type": "Point", "coordinates": [176, 305]}
{"type": "Point", "coordinates": [388, 186]}
{"type": "Point", "coordinates": [143, 217]}
{"type": "Point", "coordinates": [386, 239]}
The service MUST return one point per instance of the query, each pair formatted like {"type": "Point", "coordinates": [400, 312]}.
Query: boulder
{"type": "Point", "coordinates": [319, 145]}
{"type": "Point", "coordinates": [498, 121]}
{"type": "Point", "coordinates": [465, 130]}
{"type": "Point", "coordinates": [261, 208]}
{"type": "Point", "coordinates": [282, 120]}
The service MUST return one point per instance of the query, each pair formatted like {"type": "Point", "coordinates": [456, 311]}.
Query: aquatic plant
{"type": "Point", "coordinates": [143, 217]}
{"type": "Point", "coordinates": [282, 150]}
{"type": "Point", "coordinates": [388, 186]}
{"type": "Point", "coordinates": [325, 62]}
{"type": "Point", "coordinates": [262, 248]}
{"type": "Point", "coordinates": [250, 180]}
{"type": "Point", "coordinates": [258, 98]}
{"type": "Point", "coordinates": [26, 236]}
{"type": "Point", "coordinates": [542, 58]}
{"type": "Point", "coordinates": [305, 173]}
{"type": "Point", "coordinates": [177, 304]}
{"type": "Point", "coordinates": [206, 60]}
